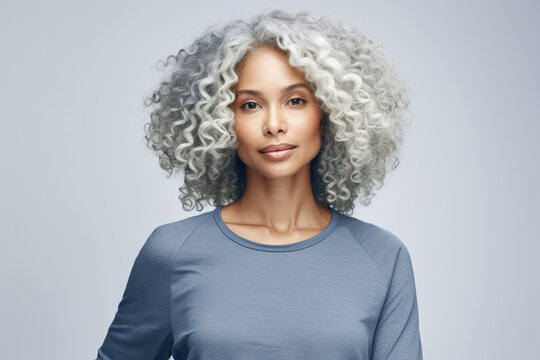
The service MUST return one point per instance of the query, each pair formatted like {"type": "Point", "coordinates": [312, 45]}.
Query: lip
{"type": "Point", "coordinates": [278, 155]}
{"type": "Point", "coordinates": [276, 147]}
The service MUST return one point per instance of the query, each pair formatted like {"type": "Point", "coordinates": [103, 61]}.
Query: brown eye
{"type": "Point", "coordinates": [250, 105]}
{"type": "Point", "coordinates": [297, 101]}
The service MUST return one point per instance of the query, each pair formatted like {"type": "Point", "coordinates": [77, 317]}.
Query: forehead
{"type": "Point", "coordinates": [267, 66]}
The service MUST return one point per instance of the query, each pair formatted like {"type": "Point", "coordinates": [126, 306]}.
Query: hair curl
{"type": "Point", "coordinates": [365, 106]}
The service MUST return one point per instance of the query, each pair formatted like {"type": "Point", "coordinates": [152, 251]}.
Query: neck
{"type": "Point", "coordinates": [282, 204]}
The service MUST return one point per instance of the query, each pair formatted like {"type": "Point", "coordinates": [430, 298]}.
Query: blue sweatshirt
{"type": "Point", "coordinates": [199, 291]}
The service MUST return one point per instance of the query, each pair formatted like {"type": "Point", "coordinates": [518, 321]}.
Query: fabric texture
{"type": "Point", "coordinates": [199, 291]}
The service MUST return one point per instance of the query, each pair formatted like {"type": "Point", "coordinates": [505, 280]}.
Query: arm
{"type": "Point", "coordinates": [141, 329]}
{"type": "Point", "coordinates": [397, 334]}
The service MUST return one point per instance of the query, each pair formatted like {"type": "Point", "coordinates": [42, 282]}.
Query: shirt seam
{"type": "Point", "coordinates": [385, 282]}
{"type": "Point", "coordinates": [173, 261]}
{"type": "Point", "coordinates": [317, 241]}
{"type": "Point", "coordinates": [258, 247]}
{"type": "Point", "coordinates": [386, 297]}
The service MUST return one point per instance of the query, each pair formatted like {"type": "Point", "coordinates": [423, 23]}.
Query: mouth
{"type": "Point", "coordinates": [278, 154]}
{"type": "Point", "coordinates": [277, 148]}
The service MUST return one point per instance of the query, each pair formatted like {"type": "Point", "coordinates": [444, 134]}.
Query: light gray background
{"type": "Point", "coordinates": [81, 193]}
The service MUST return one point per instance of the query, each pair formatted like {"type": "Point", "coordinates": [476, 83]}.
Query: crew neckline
{"type": "Point", "coordinates": [276, 248]}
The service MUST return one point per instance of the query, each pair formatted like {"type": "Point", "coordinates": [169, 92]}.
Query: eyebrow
{"type": "Point", "coordinates": [284, 90]}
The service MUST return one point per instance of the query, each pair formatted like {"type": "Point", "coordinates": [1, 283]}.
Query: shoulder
{"type": "Point", "coordinates": [166, 239]}
{"type": "Point", "coordinates": [373, 237]}
{"type": "Point", "coordinates": [383, 246]}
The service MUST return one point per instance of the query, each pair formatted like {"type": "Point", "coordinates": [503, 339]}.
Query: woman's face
{"type": "Point", "coordinates": [274, 105]}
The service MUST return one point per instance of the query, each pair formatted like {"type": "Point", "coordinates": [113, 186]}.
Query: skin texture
{"type": "Point", "coordinates": [278, 206]}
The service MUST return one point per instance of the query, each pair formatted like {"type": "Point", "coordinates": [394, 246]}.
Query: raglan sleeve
{"type": "Point", "coordinates": [397, 334]}
{"type": "Point", "coordinates": [141, 328]}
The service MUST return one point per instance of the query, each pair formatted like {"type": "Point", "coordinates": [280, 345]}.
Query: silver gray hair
{"type": "Point", "coordinates": [364, 101]}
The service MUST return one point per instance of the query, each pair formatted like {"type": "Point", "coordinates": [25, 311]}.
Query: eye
{"type": "Point", "coordinates": [251, 105]}
{"type": "Point", "coordinates": [297, 101]}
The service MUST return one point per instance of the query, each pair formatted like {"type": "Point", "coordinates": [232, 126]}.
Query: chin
{"type": "Point", "coordinates": [281, 170]}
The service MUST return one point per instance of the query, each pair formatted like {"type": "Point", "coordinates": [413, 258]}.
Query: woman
{"type": "Point", "coordinates": [286, 119]}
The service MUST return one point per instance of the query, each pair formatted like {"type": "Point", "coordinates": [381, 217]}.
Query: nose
{"type": "Point", "coordinates": [274, 122]}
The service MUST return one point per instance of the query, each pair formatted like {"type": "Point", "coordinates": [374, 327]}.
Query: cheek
{"type": "Point", "coordinates": [245, 138]}
{"type": "Point", "coordinates": [311, 127]}
{"type": "Point", "coordinates": [241, 134]}
{"type": "Point", "coordinates": [312, 134]}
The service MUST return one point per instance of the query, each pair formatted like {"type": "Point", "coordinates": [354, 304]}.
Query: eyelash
{"type": "Point", "coordinates": [253, 102]}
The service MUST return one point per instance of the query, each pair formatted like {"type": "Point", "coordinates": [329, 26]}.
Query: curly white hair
{"type": "Point", "coordinates": [364, 100]}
